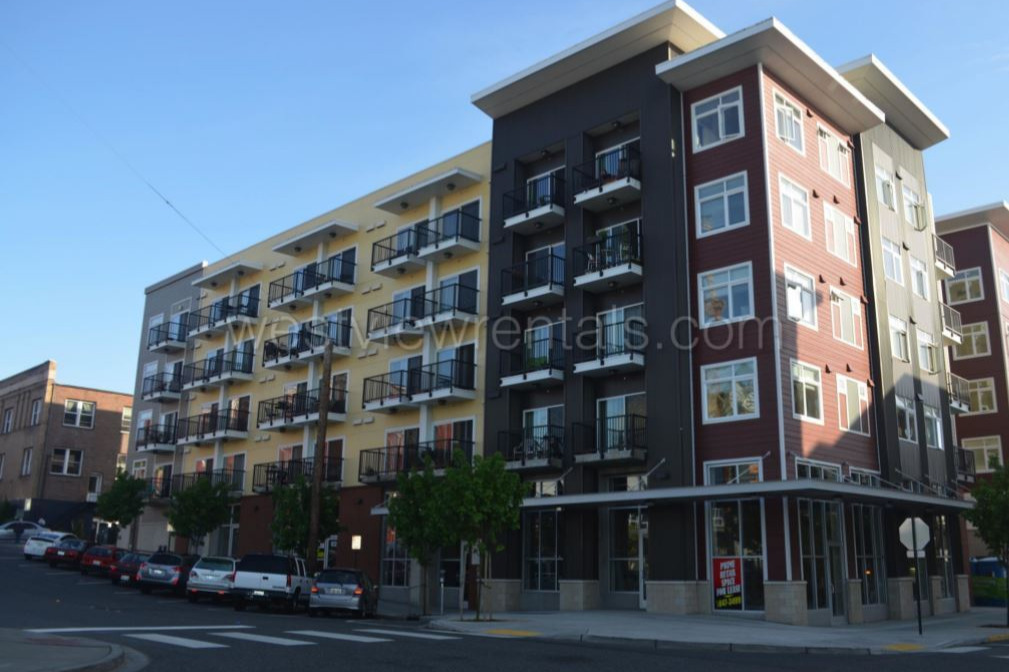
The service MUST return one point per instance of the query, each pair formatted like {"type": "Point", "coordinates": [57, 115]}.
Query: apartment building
{"type": "Point", "coordinates": [60, 446]}
{"type": "Point", "coordinates": [980, 292]}
{"type": "Point", "coordinates": [692, 383]}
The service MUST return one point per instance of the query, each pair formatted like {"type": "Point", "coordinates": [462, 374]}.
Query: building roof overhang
{"type": "Point", "coordinates": [225, 274]}
{"type": "Point", "coordinates": [334, 228]}
{"type": "Point", "coordinates": [422, 192]}
{"type": "Point", "coordinates": [995, 215]}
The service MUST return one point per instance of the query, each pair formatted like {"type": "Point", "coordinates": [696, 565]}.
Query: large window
{"type": "Point", "coordinates": [542, 550]}
{"type": "Point", "coordinates": [36, 412]}
{"type": "Point", "coordinates": [974, 342]}
{"type": "Point", "coordinates": [628, 551]}
{"type": "Point", "coordinates": [718, 119]}
{"type": "Point", "coordinates": [965, 286]}
{"type": "Point", "coordinates": [66, 462]}
{"type": "Point", "coordinates": [26, 462]}
{"type": "Point", "coordinates": [1003, 279]}
{"type": "Point", "coordinates": [846, 318]}
{"type": "Point", "coordinates": [788, 122]}
{"type": "Point", "coordinates": [737, 546]}
{"type": "Point", "coordinates": [840, 232]}
{"type": "Point", "coordinates": [899, 345]}
{"type": "Point", "coordinates": [821, 542]}
{"type": "Point", "coordinates": [395, 560]}
{"type": "Point", "coordinates": [892, 264]}
{"type": "Point", "coordinates": [928, 352]}
{"type": "Point", "coordinates": [729, 391]}
{"type": "Point", "coordinates": [911, 209]}
{"type": "Point", "coordinates": [722, 205]}
{"type": "Point", "coordinates": [987, 452]}
{"type": "Point", "coordinates": [807, 392]}
{"type": "Point", "coordinates": [853, 405]}
{"type": "Point", "coordinates": [943, 557]}
{"type": "Point", "coordinates": [833, 155]}
{"type": "Point", "coordinates": [907, 419]}
{"type": "Point", "coordinates": [870, 562]}
{"type": "Point", "coordinates": [726, 294]}
{"type": "Point", "coordinates": [79, 414]}
{"type": "Point", "coordinates": [982, 395]}
{"type": "Point", "coordinates": [794, 207]}
{"type": "Point", "coordinates": [800, 295]}
{"type": "Point", "coordinates": [8, 421]}
{"type": "Point", "coordinates": [919, 278]}
{"type": "Point", "coordinates": [818, 471]}
{"type": "Point", "coordinates": [933, 427]}
{"type": "Point", "coordinates": [884, 187]}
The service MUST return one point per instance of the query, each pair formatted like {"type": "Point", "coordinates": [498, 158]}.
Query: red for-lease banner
{"type": "Point", "coordinates": [727, 578]}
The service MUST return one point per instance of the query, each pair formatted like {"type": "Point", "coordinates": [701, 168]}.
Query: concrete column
{"type": "Point", "coordinates": [579, 595]}
{"type": "Point", "coordinates": [678, 597]}
{"type": "Point", "coordinates": [900, 598]}
{"type": "Point", "coordinates": [855, 613]}
{"type": "Point", "coordinates": [962, 593]}
{"type": "Point", "coordinates": [785, 602]}
{"type": "Point", "coordinates": [503, 594]}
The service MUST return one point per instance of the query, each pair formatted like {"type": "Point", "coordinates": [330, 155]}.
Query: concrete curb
{"type": "Point", "coordinates": [112, 660]}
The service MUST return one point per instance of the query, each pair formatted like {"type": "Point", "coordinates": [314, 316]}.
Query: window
{"type": "Point", "coordinates": [884, 187]}
{"type": "Point", "coordinates": [806, 392]}
{"type": "Point", "coordinates": [965, 286]}
{"type": "Point", "coordinates": [840, 231]}
{"type": "Point", "coordinates": [36, 412]}
{"type": "Point", "coordinates": [846, 318]}
{"type": "Point", "coordinates": [722, 205]}
{"type": "Point", "coordinates": [731, 473]}
{"type": "Point", "coordinates": [870, 479]}
{"type": "Point", "coordinates": [1003, 278]}
{"type": "Point", "coordinates": [899, 347]}
{"type": "Point", "coordinates": [919, 278]}
{"type": "Point", "coordinates": [800, 295]}
{"type": "Point", "coordinates": [79, 414]}
{"type": "Point", "coordinates": [736, 533]}
{"type": "Point", "coordinates": [66, 462]}
{"type": "Point", "coordinates": [8, 424]}
{"type": "Point", "coordinates": [2, 456]}
{"type": "Point", "coordinates": [127, 420]}
{"type": "Point", "coordinates": [794, 207]}
{"type": "Point", "coordinates": [140, 469]}
{"type": "Point", "coordinates": [726, 294]}
{"type": "Point", "coordinates": [974, 342]}
{"type": "Point", "coordinates": [833, 155]}
{"type": "Point", "coordinates": [933, 427]}
{"type": "Point", "coordinates": [718, 119]}
{"type": "Point", "coordinates": [912, 208]}
{"type": "Point", "coordinates": [907, 419]}
{"type": "Point", "coordinates": [892, 264]}
{"type": "Point", "coordinates": [819, 471]}
{"type": "Point", "coordinates": [852, 405]}
{"type": "Point", "coordinates": [26, 462]}
{"type": "Point", "coordinates": [982, 395]}
{"type": "Point", "coordinates": [869, 559]}
{"type": "Point", "coordinates": [987, 452]}
{"type": "Point", "coordinates": [943, 557]}
{"type": "Point", "coordinates": [928, 353]}
{"type": "Point", "coordinates": [542, 550]}
{"type": "Point", "coordinates": [730, 391]}
{"type": "Point", "coordinates": [395, 560]}
{"type": "Point", "coordinates": [788, 122]}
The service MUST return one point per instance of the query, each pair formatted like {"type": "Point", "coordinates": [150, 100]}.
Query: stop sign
{"type": "Point", "coordinates": [919, 532]}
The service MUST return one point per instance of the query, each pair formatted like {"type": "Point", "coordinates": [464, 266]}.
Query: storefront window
{"type": "Point", "coordinates": [737, 540]}
{"type": "Point", "coordinates": [628, 549]}
{"type": "Point", "coordinates": [542, 559]}
{"type": "Point", "coordinates": [450, 566]}
{"type": "Point", "coordinates": [869, 560]}
{"type": "Point", "coordinates": [943, 557]}
{"type": "Point", "coordinates": [395, 561]}
{"type": "Point", "coordinates": [822, 554]}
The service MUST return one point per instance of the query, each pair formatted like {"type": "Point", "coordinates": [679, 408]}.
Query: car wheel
{"type": "Point", "coordinates": [239, 604]}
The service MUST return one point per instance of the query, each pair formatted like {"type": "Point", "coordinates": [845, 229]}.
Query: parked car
{"type": "Point", "coordinates": [343, 590]}
{"type": "Point", "coordinates": [35, 547]}
{"type": "Point", "coordinates": [100, 559]}
{"type": "Point", "coordinates": [270, 579]}
{"type": "Point", "coordinates": [124, 571]}
{"type": "Point", "coordinates": [67, 552]}
{"type": "Point", "coordinates": [16, 529]}
{"type": "Point", "coordinates": [165, 570]}
{"type": "Point", "coordinates": [211, 576]}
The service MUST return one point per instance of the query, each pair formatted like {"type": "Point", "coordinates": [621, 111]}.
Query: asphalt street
{"type": "Point", "coordinates": [176, 636]}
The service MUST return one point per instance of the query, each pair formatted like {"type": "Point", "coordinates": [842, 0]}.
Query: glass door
{"type": "Point", "coordinates": [629, 552]}
{"type": "Point", "coordinates": [823, 561]}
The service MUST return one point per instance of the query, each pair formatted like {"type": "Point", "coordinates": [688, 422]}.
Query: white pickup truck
{"type": "Point", "coordinates": [271, 580]}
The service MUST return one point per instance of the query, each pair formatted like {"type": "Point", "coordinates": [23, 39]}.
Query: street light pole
{"type": "Point", "coordinates": [317, 460]}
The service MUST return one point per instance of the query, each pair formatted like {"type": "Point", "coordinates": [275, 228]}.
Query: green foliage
{"type": "Point", "coordinates": [291, 504]}
{"type": "Point", "coordinates": [200, 509]}
{"type": "Point", "coordinates": [990, 516]}
{"type": "Point", "coordinates": [417, 515]}
{"type": "Point", "coordinates": [123, 502]}
{"type": "Point", "coordinates": [7, 511]}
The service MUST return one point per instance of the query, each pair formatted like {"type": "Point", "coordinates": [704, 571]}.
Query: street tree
{"type": "Point", "coordinates": [123, 502]}
{"type": "Point", "coordinates": [417, 515]}
{"type": "Point", "coordinates": [291, 508]}
{"type": "Point", "coordinates": [990, 516]}
{"type": "Point", "coordinates": [199, 509]}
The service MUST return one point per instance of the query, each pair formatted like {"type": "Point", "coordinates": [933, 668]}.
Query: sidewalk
{"type": "Point", "coordinates": [27, 652]}
{"type": "Point", "coordinates": [738, 633]}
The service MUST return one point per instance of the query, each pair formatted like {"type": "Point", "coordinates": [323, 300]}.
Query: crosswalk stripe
{"type": "Point", "coordinates": [403, 633]}
{"type": "Point", "coordinates": [336, 635]}
{"type": "Point", "coordinates": [179, 641]}
{"type": "Point", "coordinates": [263, 639]}
{"type": "Point", "coordinates": [138, 628]}
{"type": "Point", "coordinates": [963, 649]}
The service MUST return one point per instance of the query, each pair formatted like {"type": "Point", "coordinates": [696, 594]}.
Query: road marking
{"type": "Point", "coordinates": [263, 639]}
{"type": "Point", "coordinates": [963, 649]}
{"type": "Point", "coordinates": [904, 647]}
{"type": "Point", "coordinates": [336, 635]}
{"type": "Point", "coordinates": [141, 628]}
{"type": "Point", "coordinates": [401, 633]}
{"type": "Point", "coordinates": [180, 641]}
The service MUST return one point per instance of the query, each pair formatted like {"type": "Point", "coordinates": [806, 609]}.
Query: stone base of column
{"type": "Point", "coordinates": [900, 598]}
{"type": "Point", "coordinates": [503, 594]}
{"type": "Point", "coordinates": [962, 593]}
{"type": "Point", "coordinates": [785, 602]}
{"type": "Point", "coordinates": [579, 595]}
{"type": "Point", "coordinates": [855, 613]}
{"type": "Point", "coordinates": [678, 597]}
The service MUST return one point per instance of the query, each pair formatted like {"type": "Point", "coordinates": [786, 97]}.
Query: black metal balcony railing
{"type": "Point", "coordinates": [232, 361]}
{"type": "Point", "coordinates": [452, 226]}
{"type": "Point", "coordinates": [291, 407]}
{"type": "Point", "coordinates": [943, 252]}
{"type": "Point", "coordinates": [382, 464]}
{"type": "Point", "coordinates": [401, 312]}
{"type": "Point", "coordinates": [609, 251]}
{"type": "Point", "coordinates": [155, 435]}
{"type": "Point", "coordinates": [170, 331]}
{"type": "Point", "coordinates": [538, 442]}
{"type": "Point", "coordinates": [453, 299]}
{"type": "Point", "coordinates": [536, 193]}
{"type": "Point", "coordinates": [200, 426]}
{"type": "Point", "coordinates": [400, 386]}
{"type": "Point", "coordinates": [616, 433]}
{"type": "Point", "coordinates": [403, 243]}
{"type": "Point", "coordinates": [533, 355]}
{"type": "Point", "coordinates": [269, 475]}
{"type": "Point", "coordinates": [308, 337]}
{"type": "Point", "coordinates": [159, 487]}
{"type": "Point", "coordinates": [965, 467]}
{"type": "Point", "coordinates": [233, 477]}
{"type": "Point", "coordinates": [308, 279]}
{"type": "Point", "coordinates": [612, 165]}
{"type": "Point", "coordinates": [244, 304]}
{"type": "Point", "coordinates": [160, 383]}
{"type": "Point", "coordinates": [958, 389]}
{"type": "Point", "coordinates": [610, 339]}
{"type": "Point", "coordinates": [951, 320]}
{"type": "Point", "coordinates": [533, 274]}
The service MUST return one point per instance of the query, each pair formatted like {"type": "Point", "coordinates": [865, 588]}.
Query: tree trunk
{"type": "Point", "coordinates": [487, 573]}
{"type": "Point", "coordinates": [479, 587]}
{"type": "Point", "coordinates": [1005, 563]}
{"type": "Point", "coordinates": [423, 589]}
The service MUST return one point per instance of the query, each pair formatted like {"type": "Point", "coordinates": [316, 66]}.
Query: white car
{"type": "Point", "coordinates": [9, 531]}
{"type": "Point", "coordinates": [37, 544]}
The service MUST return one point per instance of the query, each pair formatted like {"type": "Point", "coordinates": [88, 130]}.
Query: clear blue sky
{"type": "Point", "coordinates": [255, 116]}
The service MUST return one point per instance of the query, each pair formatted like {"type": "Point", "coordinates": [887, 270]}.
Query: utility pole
{"type": "Point", "coordinates": [319, 458]}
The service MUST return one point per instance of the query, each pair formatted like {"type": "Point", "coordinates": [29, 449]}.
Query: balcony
{"type": "Point", "coordinates": [397, 255]}
{"type": "Point", "coordinates": [218, 316]}
{"type": "Point", "coordinates": [378, 465]}
{"type": "Point", "coordinates": [232, 477]}
{"type": "Point", "coordinates": [945, 261]}
{"type": "Point", "coordinates": [959, 393]}
{"type": "Point", "coordinates": [272, 475]}
{"type": "Point", "coordinates": [164, 386]}
{"type": "Point", "coordinates": [298, 348]}
{"type": "Point", "coordinates": [537, 206]}
{"type": "Point", "coordinates": [536, 282]}
{"type": "Point", "coordinates": [618, 348]}
{"type": "Point", "coordinates": [451, 235]}
{"type": "Point", "coordinates": [396, 321]}
{"type": "Point", "coordinates": [618, 439]}
{"type": "Point", "coordinates": [158, 488]}
{"type": "Point", "coordinates": [965, 467]}
{"type": "Point", "coordinates": [612, 178]}
{"type": "Point", "coordinates": [609, 263]}
{"type": "Point", "coordinates": [449, 306]}
{"type": "Point", "coordinates": [534, 364]}
{"type": "Point", "coordinates": [442, 382]}
{"type": "Point", "coordinates": [298, 410]}
{"type": "Point", "coordinates": [169, 337]}
{"type": "Point", "coordinates": [952, 326]}
{"type": "Point", "coordinates": [156, 439]}
{"type": "Point", "coordinates": [333, 277]}
{"type": "Point", "coordinates": [533, 449]}
{"type": "Point", "coordinates": [206, 427]}
{"type": "Point", "coordinates": [217, 371]}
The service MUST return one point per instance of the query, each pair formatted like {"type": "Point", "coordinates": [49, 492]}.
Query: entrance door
{"type": "Point", "coordinates": [823, 562]}
{"type": "Point", "coordinates": [629, 552]}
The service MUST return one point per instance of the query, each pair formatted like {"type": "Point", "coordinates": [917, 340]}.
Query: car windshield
{"type": "Point", "coordinates": [266, 564]}
{"type": "Point", "coordinates": [137, 558]}
{"type": "Point", "coordinates": [164, 559]}
{"type": "Point", "coordinates": [337, 576]}
{"type": "Point", "coordinates": [98, 552]}
{"type": "Point", "coordinates": [220, 564]}
{"type": "Point", "coordinates": [73, 544]}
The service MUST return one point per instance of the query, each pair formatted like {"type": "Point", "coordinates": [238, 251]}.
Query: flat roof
{"type": "Point", "coordinates": [903, 110]}
{"type": "Point", "coordinates": [195, 268]}
{"type": "Point", "coordinates": [422, 192]}
{"type": "Point", "coordinates": [228, 273]}
{"type": "Point", "coordinates": [995, 215]}
{"type": "Point", "coordinates": [673, 22]}
{"type": "Point", "coordinates": [792, 60]}
{"type": "Point", "coordinates": [334, 228]}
